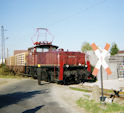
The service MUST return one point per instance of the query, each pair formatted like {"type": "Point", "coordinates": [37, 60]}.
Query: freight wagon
{"type": "Point", "coordinates": [16, 63]}
{"type": "Point", "coordinates": [46, 62]}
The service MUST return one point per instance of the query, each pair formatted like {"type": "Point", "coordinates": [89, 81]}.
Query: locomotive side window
{"type": "Point", "coordinates": [30, 53]}
{"type": "Point", "coordinates": [42, 50]}
{"type": "Point", "coordinates": [45, 49]}
{"type": "Point", "coordinates": [53, 49]}
{"type": "Point", "coordinates": [39, 50]}
{"type": "Point", "coordinates": [32, 50]}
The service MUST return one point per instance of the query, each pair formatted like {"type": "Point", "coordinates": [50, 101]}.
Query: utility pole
{"type": "Point", "coordinates": [2, 44]}
{"type": "Point", "coordinates": [7, 52]}
{"type": "Point", "coordinates": [3, 49]}
{"type": "Point", "coordinates": [102, 96]}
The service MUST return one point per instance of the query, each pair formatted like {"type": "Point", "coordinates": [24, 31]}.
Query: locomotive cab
{"type": "Point", "coordinates": [43, 47]}
{"type": "Point", "coordinates": [40, 53]}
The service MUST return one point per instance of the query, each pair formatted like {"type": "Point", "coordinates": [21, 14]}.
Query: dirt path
{"type": "Point", "coordinates": [67, 98]}
{"type": "Point", "coordinates": [26, 96]}
{"type": "Point", "coordinates": [63, 95]}
{"type": "Point", "coordinates": [9, 81]}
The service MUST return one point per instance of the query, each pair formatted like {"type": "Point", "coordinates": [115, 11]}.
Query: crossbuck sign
{"type": "Point", "coordinates": [101, 56]}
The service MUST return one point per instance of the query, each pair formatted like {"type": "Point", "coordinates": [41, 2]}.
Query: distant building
{"type": "Point", "coordinates": [121, 52]}
{"type": "Point", "coordinates": [19, 51]}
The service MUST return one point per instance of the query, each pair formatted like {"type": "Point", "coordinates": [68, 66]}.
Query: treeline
{"type": "Point", "coordinates": [113, 49]}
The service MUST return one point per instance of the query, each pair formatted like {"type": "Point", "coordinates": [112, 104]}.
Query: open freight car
{"type": "Point", "coordinates": [46, 62]}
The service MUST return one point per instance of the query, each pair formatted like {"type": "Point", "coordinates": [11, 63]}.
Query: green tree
{"type": "Point", "coordinates": [86, 46]}
{"type": "Point", "coordinates": [114, 49]}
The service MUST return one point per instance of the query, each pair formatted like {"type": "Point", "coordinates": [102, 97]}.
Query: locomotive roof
{"type": "Point", "coordinates": [44, 46]}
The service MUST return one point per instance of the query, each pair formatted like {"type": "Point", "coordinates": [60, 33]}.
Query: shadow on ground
{"type": "Point", "coordinates": [33, 110]}
{"type": "Point", "coordinates": [13, 98]}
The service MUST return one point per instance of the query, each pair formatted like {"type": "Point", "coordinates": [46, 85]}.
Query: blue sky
{"type": "Point", "coordinates": [69, 21]}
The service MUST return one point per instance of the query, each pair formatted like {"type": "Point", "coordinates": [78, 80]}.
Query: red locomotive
{"type": "Point", "coordinates": [46, 62]}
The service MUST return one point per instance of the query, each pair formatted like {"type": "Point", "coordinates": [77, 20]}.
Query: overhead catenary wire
{"type": "Point", "coordinates": [82, 10]}
{"type": "Point", "coordinates": [77, 13]}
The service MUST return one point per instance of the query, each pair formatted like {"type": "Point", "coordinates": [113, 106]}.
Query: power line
{"type": "Point", "coordinates": [77, 13]}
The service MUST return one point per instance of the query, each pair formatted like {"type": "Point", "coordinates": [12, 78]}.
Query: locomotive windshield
{"type": "Point", "coordinates": [43, 48]}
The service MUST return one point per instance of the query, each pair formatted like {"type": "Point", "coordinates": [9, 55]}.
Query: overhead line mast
{"type": "Point", "coordinates": [2, 44]}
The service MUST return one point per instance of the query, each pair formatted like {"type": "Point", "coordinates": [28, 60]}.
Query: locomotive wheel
{"type": "Point", "coordinates": [44, 76]}
{"type": "Point", "coordinates": [35, 75]}
{"type": "Point", "coordinates": [49, 79]}
{"type": "Point", "coordinates": [39, 76]}
{"type": "Point", "coordinates": [28, 72]}
{"type": "Point", "coordinates": [31, 72]}
{"type": "Point", "coordinates": [66, 81]}
{"type": "Point", "coordinates": [39, 79]}
{"type": "Point", "coordinates": [52, 78]}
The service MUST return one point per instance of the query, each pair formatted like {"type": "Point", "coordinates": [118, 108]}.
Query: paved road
{"type": "Point", "coordinates": [28, 97]}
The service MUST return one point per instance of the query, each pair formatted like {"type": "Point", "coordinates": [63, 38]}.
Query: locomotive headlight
{"type": "Point", "coordinates": [67, 66]}
{"type": "Point", "coordinates": [79, 64]}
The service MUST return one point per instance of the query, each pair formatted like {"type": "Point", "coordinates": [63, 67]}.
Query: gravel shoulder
{"type": "Point", "coordinates": [4, 82]}
{"type": "Point", "coordinates": [116, 84]}
{"type": "Point", "coordinates": [67, 98]}
{"type": "Point", "coordinates": [26, 96]}
{"type": "Point", "coordinates": [62, 95]}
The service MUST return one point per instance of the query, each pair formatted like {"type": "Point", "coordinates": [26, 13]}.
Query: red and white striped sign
{"type": "Point", "coordinates": [101, 56]}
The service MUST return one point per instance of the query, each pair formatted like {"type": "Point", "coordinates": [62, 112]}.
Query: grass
{"type": "Point", "coordinates": [5, 70]}
{"type": "Point", "coordinates": [85, 90]}
{"type": "Point", "coordinates": [106, 91]}
{"type": "Point", "coordinates": [92, 107]}
{"type": "Point", "coordinates": [11, 76]}
{"type": "Point", "coordinates": [78, 89]}
{"type": "Point", "coordinates": [6, 73]}
{"type": "Point", "coordinates": [87, 96]}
